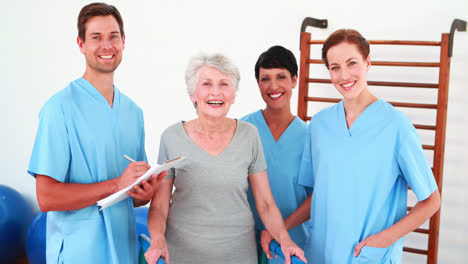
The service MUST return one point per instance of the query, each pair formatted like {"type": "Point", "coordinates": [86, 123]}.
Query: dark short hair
{"type": "Point", "coordinates": [276, 57]}
{"type": "Point", "coordinates": [345, 35]}
{"type": "Point", "coordinates": [97, 9]}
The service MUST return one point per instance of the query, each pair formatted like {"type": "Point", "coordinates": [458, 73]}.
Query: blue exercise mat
{"type": "Point", "coordinates": [145, 243]}
{"type": "Point", "coordinates": [275, 249]}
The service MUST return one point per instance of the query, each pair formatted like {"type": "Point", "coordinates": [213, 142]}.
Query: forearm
{"type": "Point", "coordinates": [422, 211]}
{"type": "Point", "coordinates": [266, 206]}
{"type": "Point", "coordinates": [159, 210]}
{"type": "Point", "coordinates": [273, 221]}
{"type": "Point", "coordinates": [157, 220]}
{"type": "Point", "coordinates": [299, 216]}
{"type": "Point", "coordinates": [53, 195]}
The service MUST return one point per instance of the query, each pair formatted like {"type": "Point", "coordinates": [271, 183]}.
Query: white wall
{"type": "Point", "coordinates": [39, 56]}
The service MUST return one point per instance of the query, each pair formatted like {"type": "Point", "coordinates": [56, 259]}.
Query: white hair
{"type": "Point", "coordinates": [217, 61]}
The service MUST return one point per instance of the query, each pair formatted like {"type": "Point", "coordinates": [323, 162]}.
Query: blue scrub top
{"type": "Point", "coordinates": [283, 158]}
{"type": "Point", "coordinates": [81, 139]}
{"type": "Point", "coordinates": [360, 178]}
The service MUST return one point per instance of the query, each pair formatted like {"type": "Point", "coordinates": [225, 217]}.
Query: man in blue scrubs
{"type": "Point", "coordinates": [77, 157]}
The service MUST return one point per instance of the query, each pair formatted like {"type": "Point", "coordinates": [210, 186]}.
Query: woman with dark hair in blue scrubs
{"type": "Point", "coordinates": [283, 136]}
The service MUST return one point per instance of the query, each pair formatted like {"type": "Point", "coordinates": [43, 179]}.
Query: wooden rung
{"type": "Point", "coordinates": [315, 61]}
{"type": "Point", "coordinates": [405, 64]}
{"type": "Point", "coordinates": [396, 84]}
{"type": "Point", "coordinates": [421, 230]}
{"type": "Point", "coordinates": [404, 42]}
{"type": "Point", "coordinates": [415, 250]}
{"type": "Point", "coordinates": [429, 147]}
{"type": "Point", "coordinates": [424, 127]}
{"type": "Point", "coordinates": [313, 80]}
{"type": "Point", "coordinates": [414, 105]}
{"type": "Point", "coordinates": [312, 42]}
{"type": "Point", "coordinates": [396, 104]}
{"type": "Point", "coordinates": [390, 63]}
{"type": "Point", "coordinates": [391, 42]}
{"type": "Point", "coordinates": [322, 99]}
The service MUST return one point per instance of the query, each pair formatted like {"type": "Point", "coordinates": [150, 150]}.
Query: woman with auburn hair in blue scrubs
{"type": "Point", "coordinates": [283, 136]}
{"type": "Point", "coordinates": [360, 157]}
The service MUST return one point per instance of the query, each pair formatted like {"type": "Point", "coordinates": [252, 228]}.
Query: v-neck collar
{"type": "Point", "coordinates": [91, 90]}
{"type": "Point", "coordinates": [360, 121]}
{"type": "Point", "coordinates": [204, 152]}
{"type": "Point", "coordinates": [265, 127]}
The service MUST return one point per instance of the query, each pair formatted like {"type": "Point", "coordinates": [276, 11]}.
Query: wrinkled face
{"type": "Point", "coordinates": [276, 87]}
{"type": "Point", "coordinates": [348, 70]}
{"type": "Point", "coordinates": [103, 45]}
{"type": "Point", "coordinates": [214, 93]}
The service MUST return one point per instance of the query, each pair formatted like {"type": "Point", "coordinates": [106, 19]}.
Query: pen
{"type": "Point", "coordinates": [127, 157]}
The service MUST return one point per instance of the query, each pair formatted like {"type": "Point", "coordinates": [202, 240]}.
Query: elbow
{"type": "Point", "coordinates": [432, 203]}
{"type": "Point", "coordinates": [44, 193]}
{"type": "Point", "coordinates": [44, 205]}
{"type": "Point", "coordinates": [436, 200]}
{"type": "Point", "coordinates": [45, 199]}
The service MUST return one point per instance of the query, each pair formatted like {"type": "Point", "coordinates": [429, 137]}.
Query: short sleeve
{"type": "Point", "coordinates": [305, 177]}
{"type": "Point", "coordinates": [258, 163]}
{"type": "Point", "coordinates": [163, 155]}
{"type": "Point", "coordinates": [51, 151]}
{"type": "Point", "coordinates": [414, 166]}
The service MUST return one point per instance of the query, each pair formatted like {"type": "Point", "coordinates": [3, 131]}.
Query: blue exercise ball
{"type": "Point", "coordinates": [36, 239]}
{"type": "Point", "coordinates": [15, 216]}
{"type": "Point", "coordinates": [141, 216]}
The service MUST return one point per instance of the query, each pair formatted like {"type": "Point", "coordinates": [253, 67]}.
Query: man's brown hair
{"type": "Point", "coordinates": [97, 9]}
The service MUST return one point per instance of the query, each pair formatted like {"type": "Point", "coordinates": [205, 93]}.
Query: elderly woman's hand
{"type": "Point", "coordinates": [289, 249]}
{"type": "Point", "coordinates": [265, 240]}
{"type": "Point", "coordinates": [157, 249]}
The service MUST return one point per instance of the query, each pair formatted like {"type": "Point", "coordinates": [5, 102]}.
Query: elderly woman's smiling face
{"type": "Point", "coordinates": [214, 92]}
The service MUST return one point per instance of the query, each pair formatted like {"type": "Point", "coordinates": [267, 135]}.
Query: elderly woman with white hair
{"type": "Point", "coordinates": [207, 219]}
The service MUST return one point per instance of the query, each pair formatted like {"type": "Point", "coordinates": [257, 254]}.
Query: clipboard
{"type": "Point", "coordinates": [122, 194]}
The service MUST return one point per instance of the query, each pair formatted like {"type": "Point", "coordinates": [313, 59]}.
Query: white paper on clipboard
{"type": "Point", "coordinates": [122, 194]}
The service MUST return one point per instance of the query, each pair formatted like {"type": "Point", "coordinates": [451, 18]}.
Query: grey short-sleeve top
{"type": "Point", "coordinates": [210, 220]}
